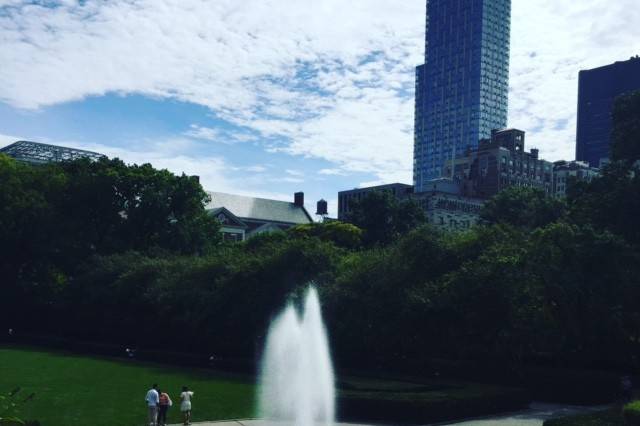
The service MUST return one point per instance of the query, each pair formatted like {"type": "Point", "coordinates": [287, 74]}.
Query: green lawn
{"type": "Point", "coordinates": [78, 390]}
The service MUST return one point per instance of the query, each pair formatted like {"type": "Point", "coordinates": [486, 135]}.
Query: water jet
{"type": "Point", "coordinates": [296, 374]}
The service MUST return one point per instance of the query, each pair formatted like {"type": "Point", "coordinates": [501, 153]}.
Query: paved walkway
{"type": "Point", "coordinates": [534, 416]}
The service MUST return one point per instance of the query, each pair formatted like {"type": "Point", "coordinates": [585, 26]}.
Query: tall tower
{"type": "Point", "coordinates": [597, 90]}
{"type": "Point", "coordinates": [462, 88]}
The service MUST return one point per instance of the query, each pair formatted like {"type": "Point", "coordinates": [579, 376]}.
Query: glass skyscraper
{"type": "Point", "coordinates": [462, 89]}
{"type": "Point", "coordinates": [597, 90]}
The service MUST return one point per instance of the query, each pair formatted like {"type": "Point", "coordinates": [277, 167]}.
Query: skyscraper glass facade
{"type": "Point", "coordinates": [462, 89]}
{"type": "Point", "coordinates": [597, 90]}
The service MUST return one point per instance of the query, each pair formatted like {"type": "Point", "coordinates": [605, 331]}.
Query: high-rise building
{"type": "Point", "coordinates": [462, 89]}
{"type": "Point", "coordinates": [597, 90]}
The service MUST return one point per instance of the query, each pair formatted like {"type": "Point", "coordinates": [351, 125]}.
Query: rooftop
{"type": "Point", "coordinates": [39, 153]}
{"type": "Point", "coordinates": [259, 208]}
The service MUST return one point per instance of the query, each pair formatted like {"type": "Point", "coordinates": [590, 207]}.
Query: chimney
{"type": "Point", "coordinates": [298, 199]}
{"type": "Point", "coordinates": [534, 153]}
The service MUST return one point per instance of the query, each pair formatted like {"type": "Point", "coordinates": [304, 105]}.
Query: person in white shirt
{"type": "Point", "coordinates": [153, 399]}
{"type": "Point", "coordinates": [185, 404]}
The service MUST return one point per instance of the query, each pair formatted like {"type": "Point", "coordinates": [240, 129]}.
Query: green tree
{"type": "Point", "coordinates": [589, 282]}
{"type": "Point", "coordinates": [53, 217]}
{"type": "Point", "coordinates": [625, 134]}
{"type": "Point", "coordinates": [610, 202]}
{"type": "Point", "coordinates": [341, 234]}
{"type": "Point", "coordinates": [114, 207]}
{"type": "Point", "coordinates": [30, 235]}
{"type": "Point", "coordinates": [522, 207]}
{"type": "Point", "coordinates": [383, 218]}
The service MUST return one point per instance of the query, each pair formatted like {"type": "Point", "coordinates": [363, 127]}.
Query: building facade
{"type": "Point", "coordinates": [462, 88]}
{"type": "Point", "coordinates": [243, 217]}
{"type": "Point", "coordinates": [498, 163]}
{"type": "Point", "coordinates": [444, 206]}
{"type": "Point", "coordinates": [449, 211]}
{"type": "Point", "coordinates": [597, 90]}
{"type": "Point", "coordinates": [566, 172]}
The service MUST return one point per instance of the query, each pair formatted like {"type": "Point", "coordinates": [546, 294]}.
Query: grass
{"type": "Point", "coordinates": [77, 390]}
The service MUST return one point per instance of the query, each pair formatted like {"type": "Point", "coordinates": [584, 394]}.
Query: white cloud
{"type": "Point", "coordinates": [332, 172]}
{"type": "Point", "coordinates": [206, 133]}
{"type": "Point", "coordinates": [298, 173]}
{"type": "Point", "coordinates": [328, 79]}
{"type": "Point", "coordinates": [279, 68]}
{"type": "Point", "coordinates": [252, 169]}
{"type": "Point", "coordinates": [8, 139]}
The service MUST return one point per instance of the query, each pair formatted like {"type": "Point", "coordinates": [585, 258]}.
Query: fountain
{"type": "Point", "coordinates": [296, 381]}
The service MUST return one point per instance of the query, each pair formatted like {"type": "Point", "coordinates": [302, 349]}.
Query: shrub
{"type": "Point", "coordinates": [631, 414]}
{"type": "Point", "coordinates": [427, 403]}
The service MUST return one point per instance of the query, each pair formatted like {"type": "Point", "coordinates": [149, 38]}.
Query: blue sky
{"type": "Point", "coordinates": [268, 97]}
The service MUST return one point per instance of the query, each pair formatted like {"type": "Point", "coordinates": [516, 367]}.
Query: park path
{"type": "Point", "coordinates": [535, 415]}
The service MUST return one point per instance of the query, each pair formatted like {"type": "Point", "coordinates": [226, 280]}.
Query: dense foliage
{"type": "Point", "coordinates": [384, 218]}
{"type": "Point", "coordinates": [626, 128]}
{"type": "Point", "coordinates": [54, 217]}
{"type": "Point", "coordinates": [125, 254]}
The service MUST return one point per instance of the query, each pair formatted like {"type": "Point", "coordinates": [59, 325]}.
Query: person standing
{"type": "Point", "coordinates": [185, 404]}
{"type": "Point", "coordinates": [153, 399]}
{"type": "Point", "coordinates": [163, 406]}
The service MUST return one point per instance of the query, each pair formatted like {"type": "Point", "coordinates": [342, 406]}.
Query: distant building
{"type": "Point", "coordinates": [462, 89]}
{"type": "Point", "coordinates": [446, 208]}
{"type": "Point", "coordinates": [41, 153]}
{"type": "Point", "coordinates": [564, 172]}
{"type": "Point", "coordinates": [400, 191]}
{"type": "Point", "coordinates": [242, 217]}
{"type": "Point", "coordinates": [442, 203]}
{"type": "Point", "coordinates": [597, 91]}
{"type": "Point", "coordinates": [498, 163]}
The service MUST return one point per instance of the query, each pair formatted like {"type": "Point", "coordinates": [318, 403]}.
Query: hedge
{"type": "Point", "coordinates": [426, 403]}
{"type": "Point", "coordinates": [559, 385]}
{"type": "Point", "coordinates": [631, 414]}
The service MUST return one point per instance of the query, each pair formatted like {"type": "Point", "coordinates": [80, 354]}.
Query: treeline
{"type": "Point", "coordinates": [127, 255]}
{"type": "Point", "coordinates": [54, 218]}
